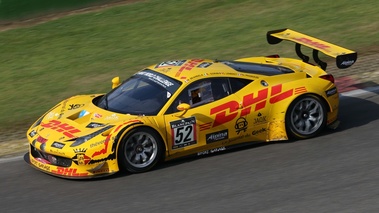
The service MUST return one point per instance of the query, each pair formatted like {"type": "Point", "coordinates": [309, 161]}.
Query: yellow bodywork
{"type": "Point", "coordinates": [254, 113]}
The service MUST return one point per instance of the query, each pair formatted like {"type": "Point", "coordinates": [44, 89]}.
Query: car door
{"type": "Point", "coordinates": [212, 121]}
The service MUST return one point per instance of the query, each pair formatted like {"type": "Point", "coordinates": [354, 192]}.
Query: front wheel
{"type": "Point", "coordinates": [140, 150]}
{"type": "Point", "coordinates": [305, 117]}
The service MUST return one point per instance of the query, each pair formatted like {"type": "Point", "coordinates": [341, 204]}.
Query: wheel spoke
{"type": "Point", "coordinates": [139, 139]}
{"type": "Point", "coordinates": [145, 142]}
{"type": "Point", "coordinates": [137, 158]}
{"type": "Point", "coordinates": [300, 124]}
{"type": "Point", "coordinates": [311, 118]}
{"type": "Point", "coordinates": [307, 125]}
{"type": "Point", "coordinates": [144, 157]}
{"type": "Point", "coordinates": [149, 149]}
{"type": "Point", "coordinates": [316, 109]}
{"type": "Point", "coordinates": [130, 154]}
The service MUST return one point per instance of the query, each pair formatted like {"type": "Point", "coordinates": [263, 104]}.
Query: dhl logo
{"type": "Point", "coordinates": [68, 172]}
{"type": "Point", "coordinates": [254, 101]}
{"type": "Point", "coordinates": [61, 127]}
{"type": "Point", "coordinates": [313, 43]}
{"type": "Point", "coordinates": [188, 66]}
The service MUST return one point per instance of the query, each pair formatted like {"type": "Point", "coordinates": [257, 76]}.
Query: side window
{"type": "Point", "coordinates": [238, 83]}
{"type": "Point", "coordinates": [202, 92]}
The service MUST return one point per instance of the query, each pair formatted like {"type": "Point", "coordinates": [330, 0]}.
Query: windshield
{"type": "Point", "coordinates": [140, 95]}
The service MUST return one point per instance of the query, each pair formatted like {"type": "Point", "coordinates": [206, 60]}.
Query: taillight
{"type": "Point", "coordinates": [328, 77]}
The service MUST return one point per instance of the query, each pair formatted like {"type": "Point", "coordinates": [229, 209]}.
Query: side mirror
{"type": "Point", "coordinates": [183, 107]}
{"type": "Point", "coordinates": [115, 82]}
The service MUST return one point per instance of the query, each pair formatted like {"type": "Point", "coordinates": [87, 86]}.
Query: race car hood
{"type": "Point", "coordinates": [77, 117]}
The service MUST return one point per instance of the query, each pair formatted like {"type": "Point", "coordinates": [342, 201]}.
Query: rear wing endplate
{"type": "Point", "coordinates": [344, 57]}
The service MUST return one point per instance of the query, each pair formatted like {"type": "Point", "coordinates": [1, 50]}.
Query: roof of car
{"type": "Point", "coordinates": [192, 68]}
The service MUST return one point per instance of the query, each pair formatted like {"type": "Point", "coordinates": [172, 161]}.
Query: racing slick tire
{"type": "Point", "coordinates": [306, 117]}
{"type": "Point", "coordinates": [140, 150]}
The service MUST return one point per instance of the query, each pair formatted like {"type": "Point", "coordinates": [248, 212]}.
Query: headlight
{"type": "Point", "coordinates": [85, 138]}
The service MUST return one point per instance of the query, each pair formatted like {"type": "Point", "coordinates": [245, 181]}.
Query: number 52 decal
{"type": "Point", "coordinates": [183, 132]}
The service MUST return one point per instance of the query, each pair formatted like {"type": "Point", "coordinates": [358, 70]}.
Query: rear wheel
{"type": "Point", "coordinates": [306, 117]}
{"type": "Point", "coordinates": [140, 150]}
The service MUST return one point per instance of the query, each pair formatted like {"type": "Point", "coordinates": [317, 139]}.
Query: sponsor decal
{"type": "Point", "coordinates": [112, 117]}
{"type": "Point", "coordinates": [74, 106]}
{"type": "Point", "coordinates": [102, 170]}
{"type": "Point", "coordinates": [97, 143]}
{"type": "Point", "coordinates": [58, 145]}
{"type": "Point", "coordinates": [348, 63]}
{"type": "Point", "coordinates": [97, 115]}
{"type": "Point", "coordinates": [241, 125]}
{"type": "Point", "coordinates": [68, 172]}
{"type": "Point", "coordinates": [196, 76]}
{"type": "Point", "coordinates": [188, 66]}
{"type": "Point", "coordinates": [259, 131]}
{"type": "Point", "coordinates": [58, 126]}
{"type": "Point", "coordinates": [216, 136]}
{"type": "Point", "coordinates": [94, 125]}
{"type": "Point", "coordinates": [40, 165]}
{"type": "Point", "coordinates": [170, 63]}
{"type": "Point", "coordinates": [331, 91]}
{"type": "Point", "coordinates": [239, 138]}
{"type": "Point", "coordinates": [260, 119]}
{"type": "Point", "coordinates": [183, 132]}
{"type": "Point", "coordinates": [207, 152]}
{"type": "Point", "coordinates": [312, 43]}
{"type": "Point", "coordinates": [81, 158]}
{"type": "Point", "coordinates": [57, 152]}
{"type": "Point", "coordinates": [164, 82]}
{"type": "Point", "coordinates": [255, 101]}
{"type": "Point", "coordinates": [205, 65]}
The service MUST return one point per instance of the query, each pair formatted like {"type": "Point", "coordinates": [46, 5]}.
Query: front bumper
{"type": "Point", "coordinates": [78, 167]}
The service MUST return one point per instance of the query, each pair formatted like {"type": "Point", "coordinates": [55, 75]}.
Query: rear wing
{"type": "Point", "coordinates": [344, 57]}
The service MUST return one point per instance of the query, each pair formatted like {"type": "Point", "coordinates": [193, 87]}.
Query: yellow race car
{"type": "Point", "coordinates": [190, 107]}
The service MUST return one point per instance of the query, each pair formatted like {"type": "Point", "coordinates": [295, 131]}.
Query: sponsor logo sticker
{"type": "Point", "coordinates": [217, 136]}
{"type": "Point", "coordinates": [58, 145]}
{"type": "Point", "coordinates": [183, 132]}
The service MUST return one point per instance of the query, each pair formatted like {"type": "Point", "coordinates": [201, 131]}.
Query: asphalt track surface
{"type": "Point", "coordinates": [335, 172]}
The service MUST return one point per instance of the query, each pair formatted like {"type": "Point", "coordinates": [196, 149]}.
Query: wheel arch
{"type": "Point", "coordinates": [128, 128]}
{"type": "Point", "coordinates": [323, 101]}
{"type": "Point", "coordinates": [277, 121]}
